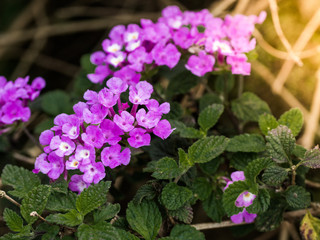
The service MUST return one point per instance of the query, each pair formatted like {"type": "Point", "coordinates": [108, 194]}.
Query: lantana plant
{"type": "Point", "coordinates": [146, 123]}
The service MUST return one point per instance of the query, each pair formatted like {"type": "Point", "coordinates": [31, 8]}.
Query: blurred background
{"type": "Point", "coordinates": [53, 39]}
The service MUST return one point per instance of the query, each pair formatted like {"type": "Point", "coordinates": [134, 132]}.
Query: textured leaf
{"type": "Point", "coordinates": [35, 200]}
{"type": "Point", "coordinates": [224, 82]}
{"type": "Point", "coordinates": [310, 227]}
{"type": "Point", "coordinates": [62, 202]}
{"type": "Point", "coordinates": [101, 230]}
{"type": "Point", "coordinates": [106, 212]}
{"type": "Point", "coordinates": [56, 102]}
{"type": "Point", "coordinates": [208, 99]}
{"type": "Point", "coordinates": [71, 218]}
{"type": "Point", "coordinates": [184, 161]}
{"type": "Point", "coordinates": [92, 197]}
{"type": "Point", "coordinates": [230, 196]}
{"type": "Point", "coordinates": [280, 144]}
{"type": "Point", "coordinates": [174, 196]}
{"type": "Point", "coordinates": [254, 168]}
{"type": "Point", "coordinates": [184, 131]}
{"type": "Point", "coordinates": [183, 214]}
{"type": "Point", "coordinates": [212, 206]}
{"type": "Point", "coordinates": [249, 107]}
{"type": "Point", "coordinates": [60, 186]}
{"type": "Point", "coordinates": [260, 203]}
{"type": "Point", "coordinates": [267, 122]}
{"type": "Point", "coordinates": [293, 119]}
{"type": "Point", "coordinates": [146, 191]}
{"type": "Point", "coordinates": [246, 143]}
{"type": "Point", "coordinates": [297, 197]}
{"type": "Point", "coordinates": [50, 231]}
{"type": "Point", "coordinates": [212, 167]}
{"type": "Point", "coordinates": [299, 151]}
{"type": "Point", "coordinates": [124, 235]}
{"type": "Point", "coordinates": [240, 160]}
{"type": "Point", "coordinates": [186, 232]}
{"type": "Point", "coordinates": [209, 116]}
{"type": "Point", "coordinates": [145, 219]}
{"type": "Point", "coordinates": [13, 220]}
{"type": "Point", "coordinates": [22, 180]}
{"type": "Point", "coordinates": [206, 149]}
{"type": "Point", "coordinates": [165, 168]}
{"type": "Point", "coordinates": [201, 188]}
{"type": "Point", "coordinates": [312, 158]}
{"type": "Point", "coordinates": [274, 175]}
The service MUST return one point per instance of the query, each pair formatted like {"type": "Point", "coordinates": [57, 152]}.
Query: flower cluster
{"type": "Point", "coordinates": [245, 199]}
{"type": "Point", "coordinates": [14, 98]}
{"type": "Point", "coordinates": [208, 42]}
{"type": "Point", "coordinates": [102, 128]}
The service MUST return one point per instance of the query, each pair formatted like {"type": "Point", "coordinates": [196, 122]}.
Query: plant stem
{"type": "Point", "coordinates": [240, 86]}
{"type": "Point", "coordinates": [4, 195]}
{"type": "Point", "coordinates": [293, 180]}
{"type": "Point", "coordinates": [31, 137]}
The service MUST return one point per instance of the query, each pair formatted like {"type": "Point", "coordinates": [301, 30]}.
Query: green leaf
{"type": "Point", "coordinates": [175, 113]}
{"type": "Point", "coordinates": [124, 235]}
{"type": "Point", "coordinates": [165, 168]}
{"type": "Point", "coordinates": [186, 132]}
{"type": "Point", "coordinates": [212, 167]}
{"type": "Point", "coordinates": [62, 202]}
{"type": "Point", "coordinates": [71, 218]}
{"type": "Point", "coordinates": [44, 125]}
{"type": "Point", "coordinates": [51, 231]}
{"type": "Point", "coordinates": [212, 206]}
{"type": "Point", "coordinates": [254, 168]}
{"type": "Point", "coordinates": [60, 186]}
{"type": "Point", "coordinates": [22, 180]}
{"type": "Point", "coordinates": [310, 227]}
{"type": "Point", "coordinates": [35, 200]}
{"type": "Point", "coordinates": [208, 99]}
{"type": "Point", "coordinates": [181, 83]}
{"type": "Point", "coordinates": [209, 116]}
{"type": "Point", "coordinates": [106, 212]}
{"type": "Point", "coordinates": [146, 191]}
{"type": "Point", "coordinates": [145, 219]}
{"type": "Point", "coordinates": [92, 197]}
{"type": "Point", "coordinates": [224, 82]}
{"type": "Point", "coordinates": [249, 107]}
{"type": "Point", "coordinates": [174, 196]}
{"type": "Point", "coordinates": [267, 122]}
{"type": "Point", "coordinates": [293, 119]}
{"type": "Point", "coordinates": [280, 144]}
{"type": "Point", "coordinates": [183, 214]}
{"type": "Point", "coordinates": [230, 196]}
{"type": "Point", "coordinates": [13, 220]}
{"type": "Point", "coordinates": [206, 149]}
{"type": "Point", "coordinates": [201, 188]}
{"type": "Point", "coordinates": [297, 197]}
{"type": "Point", "coordinates": [186, 232]}
{"type": "Point", "coordinates": [312, 158]}
{"type": "Point", "coordinates": [240, 160]}
{"type": "Point", "coordinates": [260, 203]}
{"type": "Point", "coordinates": [56, 102]}
{"type": "Point", "coordinates": [184, 161]}
{"type": "Point", "coordinates": [101, 230]}
{"type": "Point", "coordinates": [86, 63]}
{"type": "Point", "coordinates": [246, 143]}
{"type": "Point", "coordinates": [274, 175]}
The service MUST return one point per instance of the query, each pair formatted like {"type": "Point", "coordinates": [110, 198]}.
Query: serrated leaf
{"type": "Point", "coordinates": [101, 230]}
{"type": "Point", "coordinates": [267, 122]}
{"type": "Point", "coordinates": [71, 218]}
{"type": "Point", "coordinates": [230, 196]}
{"type": "Point", "coordinates": [254, 168]}
{"type": "Point", "coordinates": [106, 212]}
{"type": "Point", "coordinates": [184, 131]}
{"type": "Point", "coordinates": [146, 191]}
{"type": "Point", "coordinates": [310, 227]}
{"type": "Point", "coordinates": [35, 200]}
{"type": "Point", "coordinates": [183, 214]}
{"type": "Point", "coordinates": [293, 119]}
{"type": "Point", "coordinates": [92, 197]}
{"type": "Point", "coordinates": [212, 167]}
{"type": "Point", "coordinates": [56, 102]}
{"type": "Point", "coordinates": [202, 188]}
{"type": "Point", "coordinates": [240, 160]}
{"type": "Point", "coordinates": [124, 235]}
{"type": "Point", "coordinates": [212, 206]}
{"type": "Point", "coordinates": [206, 149]}
{"type": "Point", "coordinates": [260, 203]}
{"type": "Point", "coordinates": [165, 168]}
{"type": "Point", "coordinates": [184, 161]}
{"type": "Point", "coordinates": [174, 196]}
{"type": "Point", "coordinates": [312, 158]}
{"type": "Point", "coordinates": [13, 220]}
{"type": "Point", "coordinates": [297, 197]}
{"type": "Point", "coordinates": [249, 107]}
{"type": "Point", "coordinates": [246, 143]}
{"type": "Point", "coordinates": [274, 175]}
{"type": "Point", "coordinates": [22, 180]}
{"type": "Point", "coordinates": [144, 218]}
{"type": "Point", "coordinates": [299, 151]}
{"type": "Point", "coordinates": [209, 116]}
{"type": "Point", "coordinates": [208, 99]}
{"type": "Point", "coordinates": [280, 144]}
{"type": "Point", "coordinates": [186, 232]}
{"type": "Point", "coordinates": [51, 231]}
{"type": "Point", "coordinates": [60, 186]}
{"type": "Point", "coordinates": [61, 202]}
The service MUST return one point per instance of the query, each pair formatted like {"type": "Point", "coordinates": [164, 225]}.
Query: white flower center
{"type": "Point", "coordinates": [114, 48]}
{"type": "Point", "coordinates": [73, 131]}
{"type": "Point", "coordinates": [85, 153]}
{"type": "Point", "coordinates": [225, 48]}
{"type": "Point", "coordinates": [116, 60]}
{"type": "Point", "coordinates": [132, 36]}
{"type": "Point", "coordinates": [64, 146]}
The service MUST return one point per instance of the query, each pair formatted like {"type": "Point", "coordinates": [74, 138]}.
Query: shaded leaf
{"type": "Point", "coordinates": [267, 122]}
{"type": "Point", "coordinates": [274, 175]}
{"type": "Point", "coordinates": [13, 220]}
{"type": "Point", "coordinates": [146, 191]}
{"type": "Point", "coordinates": [312, 158]}
{"type": "Point", "coordinates": [186, 232]}
{"type": "Point", "coordinates": [208, 99]}
{"type": "Point", "coordinates": [62, 202]}
{"type": "Point", "coordinates": [297, 197]}
{"type": "Point", "coordinates": [101, 230]}
{"type": "Point", "coordinates": [254, 168]}
{"type": "Point", "coordinates": [240, 160]}
{"type": "Point", "coordinates": [260, 203]}
{"type": "Point", "coordinates": [50, 231]}
{"type": "Point", "coordinates": [246, 143]}
{"type": "Point", "coordinates": [209, 116]}
{"type": "Point", "coordinates": [106, 212]}
{"type": "Point", "coordinates": [183, 214]}
{"type": "Point", "coordinates": [230, 196]}
{"type": "Point", "coordinates": [181, 83]}
{"type": "Point", "coordinates": [71, 218]}
{"type": "Point", "coordinates": [174, 196]}
{"type": "Point", "coordinates": [56, 102]}
{"type": "Point", "coordinates": [212, 167]}
{"type": "Point", "coordinates": [165, 168]}
{"type": "Point", "coordinates": [202, 188]}
{"type": "Point", "coordinates": [212, 206]}
{"type": "Point", "coordinates": [293, 119]}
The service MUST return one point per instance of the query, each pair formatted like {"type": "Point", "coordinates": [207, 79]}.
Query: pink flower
{"type": "Point", "coordinates": [243, 216]}
{"type": "Point", "coordinates": [138, 138]}
{"type": "Point", "coordinates": [77, 184]}
{"type": "Point", "coordinates": [125, 121]}
{"type": "Point", "coordinates": [112, 157]}
{"type": "Point", "coordinates": [200, 65]}
{"type": "Point", "coordinates": [163, 129]}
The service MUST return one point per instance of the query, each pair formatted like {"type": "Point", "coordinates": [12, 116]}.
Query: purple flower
{"type": "Point", "coordinates": [245, 199]}
{"type": "Point", "coordinates": [138, 138]}
{"type": "Point", "coordinates": [91, 97]}
{"type": "Point", "coordinates": [107, 98]}
{"type": "Point", "coordinates": [112, 157]}
{"type": "Point", "coordinates": [111, 46]}
{"type": "Point", "coordinates": [138, 58]}
{"type": "Point", "coordinates": [63, 146]}
{"type": "Point", "coordinates": [71, 128]}
{"type": "Point", "coordinates": [117, 32]}
{"type": "Point", "coordinates": [100, 73]}
{"type": "Point", "coordinates": [85, 154]}
{"type": "Point", "coordinates": [77, 184]}
{"type": "Point", "coordinates": [96, 114]}
{"type": "Point", "coordinates": [147, 120]}
{"type": "Point", "coordinates": [116, 59]}
{"type": "Point", "coordinates": [153, 105]}
{"type": "Point", "coordinates": [166, 55]}
{"type": "Point", "coordinates": [13, 111]}
{"type": "Point", "coordinates": [163, 129]}
{"type": "Point", "coordinates": [243, 216]}
{"type": "Point", "coordinates": [235, 176]}
{"type": "Point", "coordinates": [125, 121]}
{"type": "Point", "coordinates": [141, 93]}
{"type": "Point", "coordinates": [128, 75]}
{"type": "Point", "coordinates": [45, 139]}
{"type": "Point", "coordinates": [97, 58]}
{"type": "Point", "coordinates": [200, 65]}
{"type": "Point", "coordinates": [72, 163]}
{"type": "Point", "coordinates": [239, 64]}
{"type": "Point", "coordinates": [111, 131]}
{"type": "Point", "coordinates": [93, 172]}
{"type": "Point", "coordinates": [51, 164]}
{"type": "Point", "coordinates": [117, 85]}
{"type": "Point", "coordinates": [93, 136]}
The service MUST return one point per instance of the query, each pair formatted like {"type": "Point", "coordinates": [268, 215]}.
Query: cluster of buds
{"type": "Point", "coordinates": [209, 44]}
{"type": "Point", "coordinates": [14, 98]}
{"type": "Point", "coordinates": [101, 131]}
